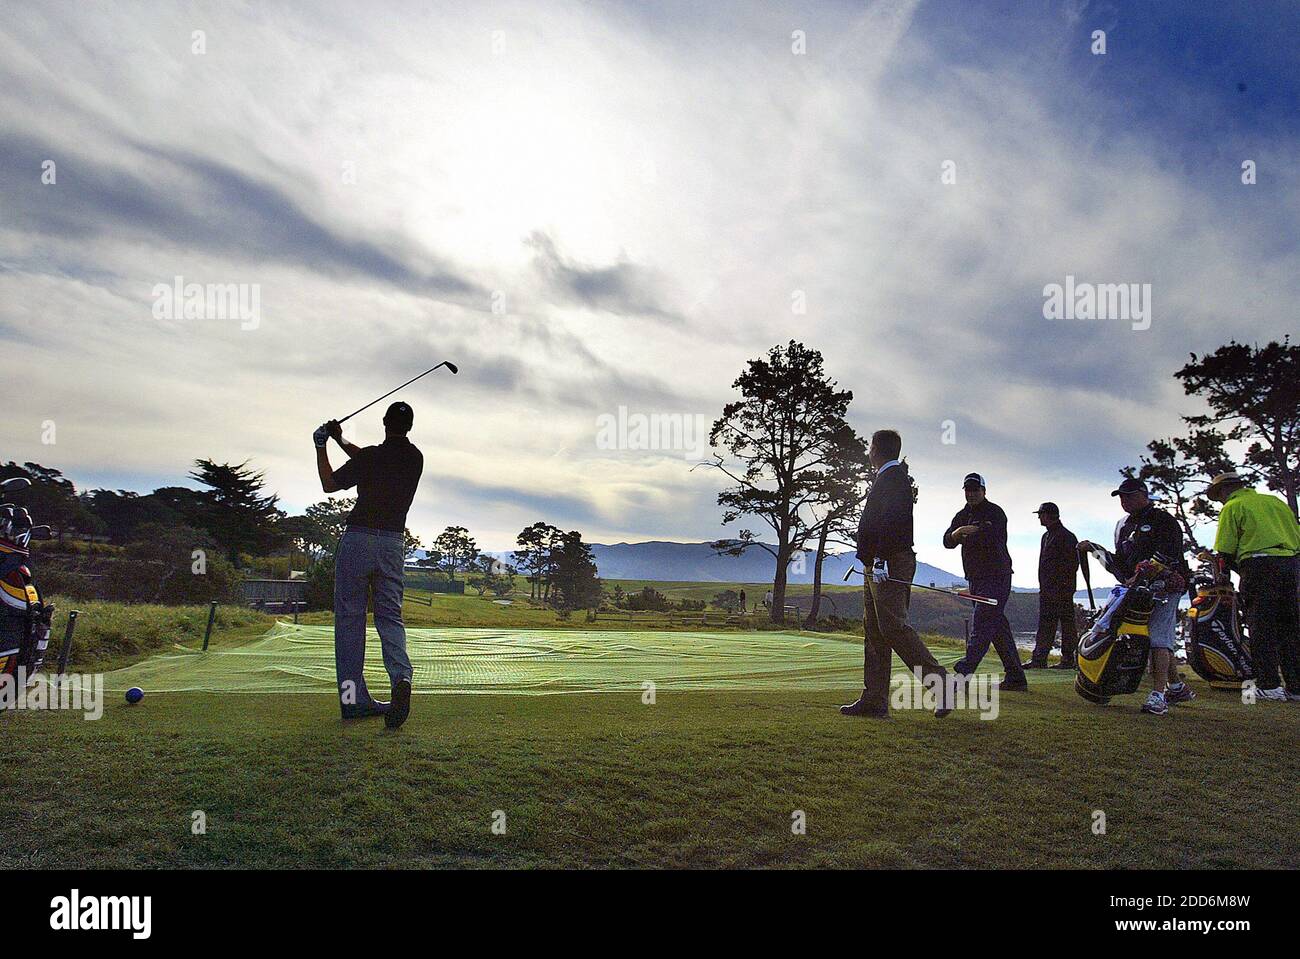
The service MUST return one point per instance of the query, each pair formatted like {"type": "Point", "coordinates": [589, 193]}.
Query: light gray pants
{"type": "Point", "coordinates": [368, 562]}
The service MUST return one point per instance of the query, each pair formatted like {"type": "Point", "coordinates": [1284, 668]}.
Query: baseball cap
{"type": "Point", "coordinates": [1130, 485]}
{"type": "Point", "coordinates": [399, 416]}
{"type": "Point", "coordinates": [1050, 508]}
{"type": "Point", "coordinates": [973, 481]}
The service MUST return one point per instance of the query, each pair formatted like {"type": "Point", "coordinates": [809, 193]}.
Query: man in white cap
{"type": "Point", "coordinates": [1259, 537]}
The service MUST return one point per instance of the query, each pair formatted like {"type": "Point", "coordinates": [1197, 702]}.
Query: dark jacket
{"type": "Point", "coordinates": [1143, 534]}
{"type": "Point", "coordinates": [1058, 561]}
{"type": "Point", "coordinates": [984, 553]}
{"type": "Point", "coordinates": [886, 526]}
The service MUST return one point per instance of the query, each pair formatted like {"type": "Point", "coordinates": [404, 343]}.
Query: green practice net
{"type": "Point", "coordinates": [300, 659]}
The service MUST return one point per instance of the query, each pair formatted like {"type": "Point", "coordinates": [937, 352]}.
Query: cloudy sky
{"type": "Point", "coordinates": [603, 205]}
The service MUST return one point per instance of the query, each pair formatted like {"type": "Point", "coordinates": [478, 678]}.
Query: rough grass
{"type": "Point", "coordinates": [110, 635]}
{"type": "Point", "coordinates": [695, 780]}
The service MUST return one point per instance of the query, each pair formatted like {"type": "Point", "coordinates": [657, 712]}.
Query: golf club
{"type": "Point", "coordinates": [447, 363]}
{"type": "Point", "coordinates": [1087, 578]}
{"type": "Point", "coordinates": [959, 593]}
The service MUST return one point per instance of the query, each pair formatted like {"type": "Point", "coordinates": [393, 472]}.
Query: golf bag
{"type": "Point", "coordinates": [24, 618]}
{"type": "Point", "coordinates": [1218, 647]}
{"type": "Point", "coordinates": [1113, 653]}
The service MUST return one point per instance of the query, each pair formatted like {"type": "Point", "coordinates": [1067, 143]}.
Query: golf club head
{"type": "Point", "coordinates": [453, 367]}
{"type": "Point", "coordinates": [849, 573]}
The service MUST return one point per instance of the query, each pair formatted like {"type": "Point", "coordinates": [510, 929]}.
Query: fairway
{"type": "Point", "coordinates": [300, 659]}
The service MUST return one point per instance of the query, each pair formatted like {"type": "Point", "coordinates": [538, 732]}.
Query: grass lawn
{"type": "Point", "coordinates": [697, 779]}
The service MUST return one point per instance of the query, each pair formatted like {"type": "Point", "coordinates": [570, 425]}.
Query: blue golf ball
{"type": "Point", "coordinates": [134, 695]}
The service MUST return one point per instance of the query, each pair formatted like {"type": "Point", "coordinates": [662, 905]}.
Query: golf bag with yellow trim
{"type": "Point", "coordinates": [1113, 654]}
{"type": "Point", "coordinates": [1217, 644]}
{"type": "Point", "coordinates": [24, 618]}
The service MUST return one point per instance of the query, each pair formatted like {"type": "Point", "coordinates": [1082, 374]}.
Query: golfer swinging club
{"type": "Point", "coordinates": [370, 557]}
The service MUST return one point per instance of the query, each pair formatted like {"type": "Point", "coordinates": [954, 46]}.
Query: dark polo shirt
{"type": "Point", "coordinates": [385, 477]}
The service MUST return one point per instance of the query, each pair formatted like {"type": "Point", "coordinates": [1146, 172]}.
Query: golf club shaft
{"type": "Point", "coordinates": [445, 363]}
{"type": "Point", "coordinates": [986, 600]}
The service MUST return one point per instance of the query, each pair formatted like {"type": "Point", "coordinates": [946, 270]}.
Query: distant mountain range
{"type": "Point", "coordinates": [697, 563]}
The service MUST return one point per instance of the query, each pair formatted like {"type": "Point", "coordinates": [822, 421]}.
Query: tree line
{"type": "Point", "coordinates": [795, 465]}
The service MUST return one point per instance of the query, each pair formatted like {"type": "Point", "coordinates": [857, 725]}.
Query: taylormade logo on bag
{"type": "Point", "coordinates": [102, 913]}
{"type": "Point", "coordinates": [1098, 301]}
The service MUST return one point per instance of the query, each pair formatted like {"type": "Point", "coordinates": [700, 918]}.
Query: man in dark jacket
{"type": "Point", "coordinates": [980, 528]}
{"type": "Point", "coordinates": [1058, 566]}
{"type": "Point", "coordinates": [888, 563]}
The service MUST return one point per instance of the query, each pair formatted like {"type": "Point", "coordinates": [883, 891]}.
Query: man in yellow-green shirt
{"type": "Point", "coordinates": [1259, 537]}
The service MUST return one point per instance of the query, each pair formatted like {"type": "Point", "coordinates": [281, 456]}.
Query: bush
{"type": "Point", "coordinates": [319, 594]}
{"type": "Point", "coordinates": [161, 567]}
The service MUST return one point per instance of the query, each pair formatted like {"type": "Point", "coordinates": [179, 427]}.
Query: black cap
{"type": "Point", "coordinates": [399, 417]}
{"type": "Point", "coordinates": [1050, 508]}
{"type": "Point", "coordinates": [1130, 485]}
{"type": "Point", "coordinates": [973, 481]}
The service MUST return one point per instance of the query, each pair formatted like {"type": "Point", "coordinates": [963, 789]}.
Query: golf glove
{"type": "Point", "coordinates": [879, 571]}
{"type": "Point", "coordinates": [321, 436]}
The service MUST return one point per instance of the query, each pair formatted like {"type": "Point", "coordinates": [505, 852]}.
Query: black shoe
{"type": "Point", "coordinates": [1005, 686]}
{"type": "Point", "coordinates": [860, 708]}
{"type": "Point", "coordinates": [1033, 665]}
{"type": "Point", "coordinates": [400, 707]}
{"type": "Point", "coordinates": [1062, 665]}
{"type": "Point", "coordinates": [948, 698]}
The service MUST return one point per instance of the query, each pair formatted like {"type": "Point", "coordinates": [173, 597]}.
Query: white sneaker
{"type": "Point", "coordinates": [1155, 704]}
{"type": "Point", "coordinates": [1293, 697]}
{"type": "Point", "coordinates": [1271, 695]}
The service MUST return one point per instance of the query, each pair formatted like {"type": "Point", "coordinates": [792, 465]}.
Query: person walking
{"type": "Point", "coordinates": [980, 529]}
{"type": "Point", "coordinates": [370, 560]}
{"type": "Point", "coordinates": [1058, 567]}
{"type": "Point", "coordinates": [1259, 537]}
{"type": "Point", "coordinates": [884, 547]}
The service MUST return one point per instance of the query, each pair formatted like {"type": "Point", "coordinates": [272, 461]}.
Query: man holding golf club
{"type": "Point", "coordinates": [370, 559]}
{"type": "Point", "coordinates": [885, 550]}
{"type": "Point", "coordinates": [980, 529]}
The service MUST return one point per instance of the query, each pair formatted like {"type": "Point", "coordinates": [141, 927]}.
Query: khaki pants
{"type": "Point", "coordinates": [886, 631]}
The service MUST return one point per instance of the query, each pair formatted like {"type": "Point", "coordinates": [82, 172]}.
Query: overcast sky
{"type": "Point", "coordinates": [602, 205]}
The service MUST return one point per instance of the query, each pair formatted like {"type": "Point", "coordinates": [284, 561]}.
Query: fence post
{"type": "Point", "coordinates": [207, 633]}
{"type": "Point", "coordinates": [66, 651]}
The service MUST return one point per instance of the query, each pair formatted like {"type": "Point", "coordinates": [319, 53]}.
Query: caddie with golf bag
{"type": "Point", "coordinates": [1258, 536]}
{"type": "Point", "coordinates": [1141, 616]}
{"type": "Point", "coordinates": [24, 618]}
